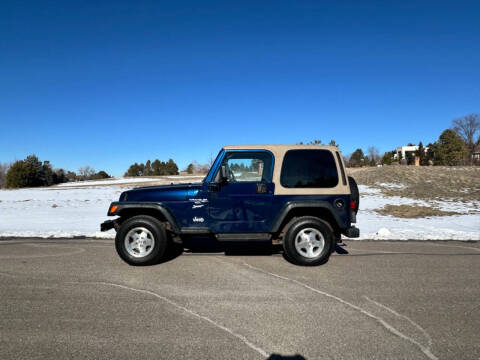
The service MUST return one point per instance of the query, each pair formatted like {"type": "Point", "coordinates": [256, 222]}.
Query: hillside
{"type": "Point", "coordinates": [407, 202]}
{"type": "Point", "coordinates": [423, 182]}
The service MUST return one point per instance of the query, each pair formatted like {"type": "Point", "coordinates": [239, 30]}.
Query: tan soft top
{"type": "Point", "coordinates": [279, 152]}
{"type": "Point", "coordinates": [284, 148]}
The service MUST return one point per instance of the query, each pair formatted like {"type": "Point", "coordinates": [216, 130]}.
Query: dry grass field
{"type": "Point", "coordinates": [413, 211]}
{"type": "Point", "coordinates": [423, 182]}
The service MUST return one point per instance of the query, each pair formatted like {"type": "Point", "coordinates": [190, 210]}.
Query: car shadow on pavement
{"type": "Point", "coordinates": [340, 250]}
{"type": "Point", "coordinates": [208, 246]}
{"type": "Point", "coordinates": [288, 357]}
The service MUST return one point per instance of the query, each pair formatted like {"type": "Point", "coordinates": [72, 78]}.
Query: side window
{"type": "Point", "coordinates": [309, 169]}
{"type": "Point", "coordinates": [248, 166]}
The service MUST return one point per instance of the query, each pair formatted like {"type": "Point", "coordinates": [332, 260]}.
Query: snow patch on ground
{"type": "Point", "coordinates": [49, 212]}
{"type": "Point", "coordinates": [384, 232]}
{"type": "Point", "coordinates": [366, 190]}
{"type": "Point", "coordinates": [465, 226]}
{"type": "Point", "coordinates": [70, 212]}
{"type": "Point", "coordinates": [391, 186]}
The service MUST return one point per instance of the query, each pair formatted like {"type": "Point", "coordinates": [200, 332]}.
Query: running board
{"type": "Point", "coordinates": [243, 237]}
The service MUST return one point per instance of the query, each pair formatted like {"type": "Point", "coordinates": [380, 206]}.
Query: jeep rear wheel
{"type": "Point", "coordinates": [308, 241]}
{"type": "Point", "coordinates": [141, 240]}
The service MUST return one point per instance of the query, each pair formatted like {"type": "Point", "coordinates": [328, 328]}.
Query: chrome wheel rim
{"type": "Point", "coordinates": [139, 242]}
{"type": "Point", "coordinates": [309, 243]}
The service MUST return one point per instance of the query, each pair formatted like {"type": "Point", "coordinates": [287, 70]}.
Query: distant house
{"type": "Point", "coordinates": [401, 152]}
{"type": "Point", "coordinates": [476, 153]}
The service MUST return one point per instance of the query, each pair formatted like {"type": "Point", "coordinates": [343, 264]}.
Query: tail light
{"type": "Point", "coordinates": [353, 205]}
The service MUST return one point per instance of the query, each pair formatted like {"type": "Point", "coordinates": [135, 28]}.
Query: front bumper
{"type": "Point", "coordinates": [352, 232]}
{"type": "Point", "coordinates": [109, 224]}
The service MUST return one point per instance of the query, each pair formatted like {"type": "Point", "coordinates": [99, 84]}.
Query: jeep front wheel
{"type": "Point", "coordinates": [141, 240]}
{"type": "Point", "coordinates": [308, 241]}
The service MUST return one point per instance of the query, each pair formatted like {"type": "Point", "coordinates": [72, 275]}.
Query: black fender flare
{"type": "Point", "coordinates": [289, 206]}
{"type": "Point", "coordinates": [119, 207]}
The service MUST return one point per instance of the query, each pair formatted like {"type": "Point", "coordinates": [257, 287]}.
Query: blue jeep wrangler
{"type": "Point", "coordinates": [295, 195]}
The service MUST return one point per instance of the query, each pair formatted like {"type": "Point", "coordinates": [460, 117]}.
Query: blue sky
{"type": "Point", "coordinates": [112, 83]}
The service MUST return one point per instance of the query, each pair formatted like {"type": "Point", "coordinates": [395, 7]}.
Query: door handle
{"type": "Point", "coordinates": [214, 187]}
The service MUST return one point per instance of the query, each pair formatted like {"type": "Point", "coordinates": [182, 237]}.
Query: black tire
{"type": "Point", "coordinates": [157, 232]}
{"type": "Point", "coordinates": [304, 223]}
{"type": "Point", "coordinates": [354, 193]}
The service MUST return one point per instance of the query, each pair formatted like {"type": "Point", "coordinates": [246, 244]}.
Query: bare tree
{"type": "Point", "coordinates": [211, 160]}
{"type": "Point", "coordinates": [86, 172]}
{"type": "Point", "coordinates": [3, 174]}
{"type": "Point", "coordinates": [467, 128]}
{"type": "Point", "coordinates": [200, 168]}
{"type": "Point", "coordinates": [373, 154]}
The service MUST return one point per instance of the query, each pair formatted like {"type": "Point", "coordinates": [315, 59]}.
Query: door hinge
{"type": "Point", "coordinates": [261, 188]}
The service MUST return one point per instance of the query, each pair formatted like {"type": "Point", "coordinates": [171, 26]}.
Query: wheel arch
{"type": "Point", "coordinates": [156, 210]}
{"type": "Point", "coordinates": [293, 210]}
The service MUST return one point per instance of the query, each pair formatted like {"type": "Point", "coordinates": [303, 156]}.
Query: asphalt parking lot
{"type": "Point", "coordinates": [378, 300]}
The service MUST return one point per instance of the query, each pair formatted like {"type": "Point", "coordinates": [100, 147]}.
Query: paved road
{"type": "Point", "coordinates": [77, 299]}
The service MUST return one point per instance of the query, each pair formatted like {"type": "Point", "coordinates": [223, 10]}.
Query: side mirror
{"type": "Point", "coordinates": [223, 174]}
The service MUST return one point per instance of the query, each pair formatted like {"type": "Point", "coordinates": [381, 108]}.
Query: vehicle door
{"type": "Point", "coordinates": [241, 202]}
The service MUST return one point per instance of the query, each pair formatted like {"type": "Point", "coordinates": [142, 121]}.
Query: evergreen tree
{"type": "Point", "coordinates": [156, 165]}
{"type": "Point", "coordinates": [71, 176]}
{"type": "Point", "coordinates": [47, 174]}
{"type": "Point", "coordinates": [255, 165]}
{"type": "Point", "coordinates": [133, 170]}
{"type": "Point", "coordinates": [102, 175]}
{"type": "Point", "coordinates": [450, 149]}
{"type": "Point", "coordinates": [29, 173]}
{"type": "Point", "coordinates": [35, 171]}
{"type": "Point", "coordinates": [162, 169]}
{"type": "Point", "coordinates": [357, 158]}
{"type": "Point", "coordinates": [365, 161]}
{"type": "Point", "coordinates": [156, 168]}
{"type": "Point", "coordinates": [59, 176]}
{"type": "Point", "coordinates": [429, 154]}
{"type": "Point", "coordinates": [171, 167]}
{"type": "Point", "coordinates": [410, 157]}
{"type": "Point", "coordinates": [314, 142]}
{"type": "Point", "coordinates": [422, 155]}
{"type": "Point", "coordinates": [148, 168]}
{"type": "Point", "coordinates": [190, 168]}
{"type": "Point", "coordinates": [20, 175]}
{"type": "Point", "coordinates": [387, 159]}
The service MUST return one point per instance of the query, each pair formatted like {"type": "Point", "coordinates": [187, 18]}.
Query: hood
{"type": "Point", "coordinates": [178, 192]}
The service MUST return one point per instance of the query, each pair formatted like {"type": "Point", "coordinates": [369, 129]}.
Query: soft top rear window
{"type": "Point", "coordinates": [309, 169]}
